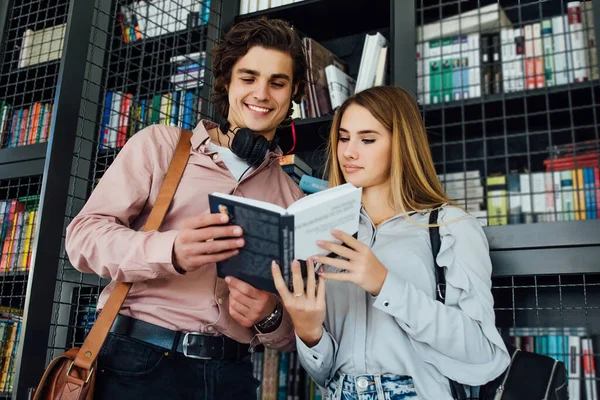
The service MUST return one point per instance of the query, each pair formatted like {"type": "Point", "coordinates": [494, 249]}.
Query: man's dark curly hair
{"type": "Point", "coordinates": [273, 34]}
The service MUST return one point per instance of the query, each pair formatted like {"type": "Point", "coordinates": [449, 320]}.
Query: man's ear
{"type": "Point", "coordinates": [295, 91]}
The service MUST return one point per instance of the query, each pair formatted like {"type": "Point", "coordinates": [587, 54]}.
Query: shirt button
{"type": "Point", "coordinates": [362, 383]}
{"type": "Point", "coordinates": [215, 157]}
{"type": "Point", "coordinates": [386, 303]}
{"type": "Point", "coordinates": [209, 328]}
{"type": "Point", "coordinates": [220, 300]}
{"type": "Point", "coordinates": [315, 357]}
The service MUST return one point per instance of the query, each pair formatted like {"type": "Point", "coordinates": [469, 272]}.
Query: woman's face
{"type": "Point", "coordinates": [364, 148]}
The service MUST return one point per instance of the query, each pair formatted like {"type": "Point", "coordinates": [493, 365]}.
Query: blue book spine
{"type": "Point", "coordinates": [310, 184]}
{"type": "Point", "coordinates": [105, 119]}
{"type": "Point", "coordinates": [188, 110]}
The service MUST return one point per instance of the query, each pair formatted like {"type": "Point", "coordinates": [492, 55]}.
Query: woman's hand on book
{"type": "Point", "coordinates": [306, 308]}
{"type": "Point", "coordinates": [195, 245]}
{"type": "Point", "coordinates": [361, 265]}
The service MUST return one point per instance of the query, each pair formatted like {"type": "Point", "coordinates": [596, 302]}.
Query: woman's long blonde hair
{"type": "Point", "coordinates": [414, 185]}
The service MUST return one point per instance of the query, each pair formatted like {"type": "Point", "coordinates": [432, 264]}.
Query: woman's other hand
{"type": "Point", "coordinates": [306, 308]}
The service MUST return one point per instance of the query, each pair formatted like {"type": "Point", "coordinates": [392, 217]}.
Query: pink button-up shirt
{"type": "Point", "coordinates": [105, 237]}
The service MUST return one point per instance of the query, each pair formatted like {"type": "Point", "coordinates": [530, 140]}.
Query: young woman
{"type": "Point", "coordinates": [378, 331]}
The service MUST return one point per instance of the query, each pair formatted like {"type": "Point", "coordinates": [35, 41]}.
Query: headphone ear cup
{"type": "Point", "coordinates": [243, 143]}
{"type": "Point", "coordinates": [259, 150]}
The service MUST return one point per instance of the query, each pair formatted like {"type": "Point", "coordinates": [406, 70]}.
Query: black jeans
{"type": "Point", "coordinates": [130, 369]}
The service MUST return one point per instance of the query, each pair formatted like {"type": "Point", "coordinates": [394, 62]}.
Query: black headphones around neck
{"type": "Point", "coordinates": [249, 146]}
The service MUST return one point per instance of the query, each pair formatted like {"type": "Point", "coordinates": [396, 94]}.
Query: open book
{"type": "Point", "coordinates": [274, 233]}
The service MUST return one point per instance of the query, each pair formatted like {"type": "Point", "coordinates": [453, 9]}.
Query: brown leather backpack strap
{"type": "Point", "coordinates": [93, 342]}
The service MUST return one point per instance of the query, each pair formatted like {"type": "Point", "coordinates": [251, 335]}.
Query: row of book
{"type": "Point", "coordinates": [516, 198]}
{"type": "Point", "coordinates": [549, 196]}
{"type": "Point", "coordinates": [331, 85]}
{"type": "Point", "coordinates": [23, 126]}
{"type": "Point", "coordinates": [144, 19]}
{"type": "Point", "coordinates": [250, 6]}
{"type": "Point", "coordinates": [10, 328]}
{"type": "Point", "coordinates": [17, 233]}
{"type": "Point", "coordinates": [282, 377]}
{"type": "Point", "coordinates": [572, 346]}
{"type": "Point", "coordinates": [554, 51]}
{"type": "Point", "coordinates": [124, 114]}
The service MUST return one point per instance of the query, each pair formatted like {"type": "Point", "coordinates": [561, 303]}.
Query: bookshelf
{"type": "Point", "coordinates": [544, 273]}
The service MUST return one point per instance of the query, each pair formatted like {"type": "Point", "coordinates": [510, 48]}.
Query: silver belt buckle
{"type": "Point", "coordinates": [186, 344]}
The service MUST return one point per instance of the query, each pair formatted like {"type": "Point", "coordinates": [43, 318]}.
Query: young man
{"type": "Point", "coordinates": [182, 331]}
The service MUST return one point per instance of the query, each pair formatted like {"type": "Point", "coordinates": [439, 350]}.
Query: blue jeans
{"type": "Point", "coordinates": [130, 369]}
{"type": "Point", "coordinates": [371, 387]}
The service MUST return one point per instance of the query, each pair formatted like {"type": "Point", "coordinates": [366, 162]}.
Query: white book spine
{"type": "Point", "coordinates": [244, 6]}
{"type": "Point", "coordinates": [426, 78]}
{"type": "Point", "coordinates": [538, 188]}
{"type": "Point", "coordinates": [253, 6]}
{"type": "Point", "coordinates": [557, 195]}
{"type": "Point", "coordinates": [519, 59]}
{"type": "Point", "coordinates": [525, 182]}
{"type": "Point", "coordinates": [561, 76]}
{"type": "Point", "coordinates": [263, 5]}
{"type": "Point", "coordinates": [504, 44]}
{"type": "Point", "coordinates": [474, 66]}
{"type": "Point", "coordinates": [420, 74]}
{"type": "Point", "coordinates": [549, 187]}
{"type": "Point", "coordinates": [465, 66]}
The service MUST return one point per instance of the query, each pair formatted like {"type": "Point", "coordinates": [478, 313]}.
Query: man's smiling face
{"type": "Point", "coordinates": [260, 90]}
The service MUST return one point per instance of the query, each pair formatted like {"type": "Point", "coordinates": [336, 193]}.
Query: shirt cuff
{"type": "Point", "coordinates": [316, 353]}
{"type": "Point", "coordinates": [160, 252]}
{"type": "Point", "coordinates": [391, 298]}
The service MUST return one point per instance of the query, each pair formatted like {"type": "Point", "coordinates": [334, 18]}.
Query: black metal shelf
{"type": "Point", "coordinates": [544, 235]}
{"type": "Point", "coordinates": [566, 247]}
{"type": "Point", "coordinates": [6, 276]}
{"type": "Point", "coordinates": [22, 161]}
{"type": "Point", "coordinates": [30, 84]}
{"type": "Point", "coordinates": [559, 90]}
{"type": "Point", "coordinates": [147, 61]}
{"type": "Point", "coordinates": [546, 261]}
{"type": "Point", "coordinates": [311, 134]}
{"type": "Point", "coordinates": [328, 19]}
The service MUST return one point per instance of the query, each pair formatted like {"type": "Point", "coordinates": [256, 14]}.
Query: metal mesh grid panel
{"type": "Point", "coordinates": [29, 65]}
{"type": "Point", "coordinates": [147, 64]}
{"type": "Point", "coordinates": [508, 92]}
{"type": "Point", "coordinates": [18, 210]}
{"type": "Point", "coordinates": [509, 96]}
{"type": "Point", "coordinates": [553, 315]}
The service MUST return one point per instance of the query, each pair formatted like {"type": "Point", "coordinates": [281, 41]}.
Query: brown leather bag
{"type": "Point", "coordinates": [72, 375]}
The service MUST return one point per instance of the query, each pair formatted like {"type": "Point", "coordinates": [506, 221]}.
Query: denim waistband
{"type": "Point", "coordinates": [399, 384]}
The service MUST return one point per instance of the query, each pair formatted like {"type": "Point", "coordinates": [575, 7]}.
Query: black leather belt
{"type": "Point", "coordinates": [191, 344]}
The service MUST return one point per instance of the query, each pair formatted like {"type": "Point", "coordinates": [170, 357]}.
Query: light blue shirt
{"type": "Point", "coordinates": [405, 330]}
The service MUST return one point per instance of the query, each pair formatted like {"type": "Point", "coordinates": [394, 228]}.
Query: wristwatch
{"type": "Point", "coordinates": [271, 322]}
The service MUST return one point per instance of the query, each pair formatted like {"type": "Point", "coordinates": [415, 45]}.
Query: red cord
{"type": "Point", "coordinates": [293, 138]}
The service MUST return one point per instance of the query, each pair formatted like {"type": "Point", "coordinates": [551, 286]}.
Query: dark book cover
{"type": "Point", "coordinates": [268, 236]}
